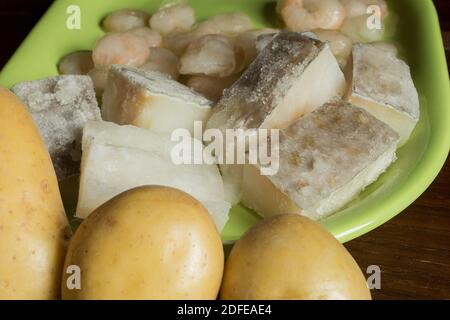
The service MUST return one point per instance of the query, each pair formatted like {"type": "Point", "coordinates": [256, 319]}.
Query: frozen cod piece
{"type": "Point", "coordinates": [118, 158]}
{"type": "Point", "coordinates": [293, 75]}
{"type": "Point", "coordinates": [326, 159]}
{"type": "Point", "coordinates": [60, 107]}
{"type": "Point", "coordinates": [151, 100]}
{"type": "Point", "coordinates": [382, 85]}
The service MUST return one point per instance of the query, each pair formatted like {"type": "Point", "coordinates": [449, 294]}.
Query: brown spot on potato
{"type": "Point", "coordinates": [45, 187]}
{"type": "Point", "coordinates": [111, 222]}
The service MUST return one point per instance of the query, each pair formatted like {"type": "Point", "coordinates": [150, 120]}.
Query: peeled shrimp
{"type": "Point", "coordinates": [124, 20]}
{"type": "Point", "coordinates": [99, 77]}
{"type": "Point", "coordinates": [178, 41]}
{"type": "Point", "coordinates": [247, 42]}
{"type": "Point", "coordinates": [388, 47]}
{"type": "Point", "coordinates": [356, 8]}
{"type": "Point", "coordinates": [162, 60]}
{"type": "Point", "coordinates": [79, 62]}
{"type": "Point", "coordinates": [211, 55]}
{"type": "Point", "coordinates": [211, 87]}
{"type": "Point", "coordinates": [306, 15]}
{"type": "Point", "coordinates": [340, 45]}
{"type": "Point", "coordinates": [152, 37]}
{"type": "Point", "coordinates": [357, 30]}
{"type": "Point", "coordinates": [175, 17]}
{"type": "Point", "coordinates": [120, 48]}
{"type": "Point", "coordinates": [225, 23]}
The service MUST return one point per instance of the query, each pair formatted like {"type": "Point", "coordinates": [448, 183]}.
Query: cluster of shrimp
{"type": "Point", "coordinates": [206, 56]}
{"type": "Point", "coordinates": [340, 22]}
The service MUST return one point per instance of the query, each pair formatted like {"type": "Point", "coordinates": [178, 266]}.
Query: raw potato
{"type": "Point", "coordinates": [147, 243]}
{"type": "Point", "coordinates": [79, 62]}
{"type": "Point", "coordinates": [124, 20]}
{"type": "Point", "coordinates": [33, 224]}
{"type": "Point", "coordinates": [291, 257]}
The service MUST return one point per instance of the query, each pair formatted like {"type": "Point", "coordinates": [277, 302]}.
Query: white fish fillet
{"type": "Point", "coordinates": [292, 76]}
{"type": "Point", "coordinates": [118, 158]}
{"type": "Point", "coordinates": [151, 100]}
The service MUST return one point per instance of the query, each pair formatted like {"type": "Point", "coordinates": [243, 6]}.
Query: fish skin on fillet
{"type": "Point", "coordinates": [293, 75]}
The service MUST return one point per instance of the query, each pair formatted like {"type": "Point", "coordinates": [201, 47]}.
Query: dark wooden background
{"type": "Point", "coordinates": [412, 250]}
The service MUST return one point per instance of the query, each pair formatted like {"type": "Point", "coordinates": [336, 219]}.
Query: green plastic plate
{"type": "Point", "coordinates": [417, 32]}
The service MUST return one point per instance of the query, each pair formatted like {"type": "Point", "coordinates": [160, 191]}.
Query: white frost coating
{"type": "Point", "coordinates": [382, 85]}
{"type": "Point", "coordinates": [326, 159]}
{"type": "Point", "coordinates": [119, 158]}
{"type": "Point", "coordinates": [60, 106]}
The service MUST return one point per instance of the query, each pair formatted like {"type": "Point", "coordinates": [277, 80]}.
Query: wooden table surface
{"type": "Point", "coordinates": [412, 250]}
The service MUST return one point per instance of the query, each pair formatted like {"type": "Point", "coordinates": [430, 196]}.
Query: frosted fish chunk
{"type": "Point", "coordinates": [119, 158]}
{"type": "Point", "coordinates": [293, 75]}
{"type": "Point", "coordinates": [60, 107]}
{"type": "Point", "coordinates": [381, 84]}
{"type": "Point", "coordinates": [326, 159]}
{"type": "Point", "coordinates": [151, 100]}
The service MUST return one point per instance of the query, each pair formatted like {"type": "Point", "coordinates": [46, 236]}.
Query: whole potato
{"type": "Point", "coordinates": [291, 257]}
{"type": "Point", "coordinates": [33, 224]}
{"type": "Point", "coordinates": [147, 243]}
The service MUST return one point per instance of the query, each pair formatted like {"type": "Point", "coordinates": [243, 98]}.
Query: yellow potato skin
{"type": "Point", "coordinates": [291, 257]}
{"type": "Point", "coordinates": [147, 243]}
{"type": "Point", "coordinates": [33, 224]}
